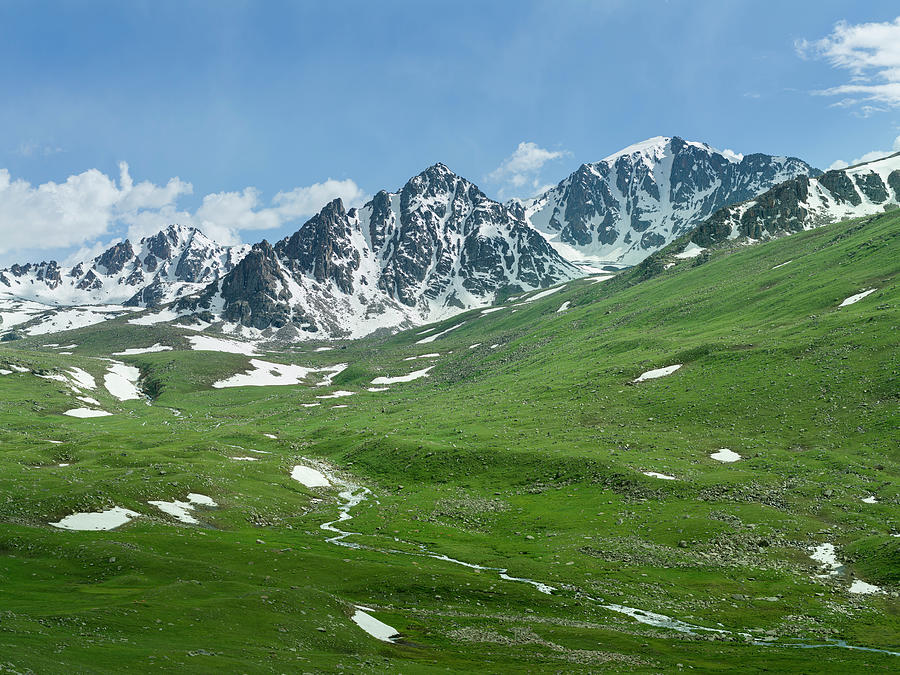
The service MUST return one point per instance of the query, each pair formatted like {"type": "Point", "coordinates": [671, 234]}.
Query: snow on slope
{"type": "Point", "coordinates": [804, 203]}
{"type": "Point", "coordinates": [172, 263]}
{"type": "Point", "coordinates": [623, 208]}
{"type": "Point", "coordinates": [437, 247]}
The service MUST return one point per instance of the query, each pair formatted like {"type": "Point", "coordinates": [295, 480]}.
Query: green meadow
{"type": "Point", "coordinates": [526, 447]}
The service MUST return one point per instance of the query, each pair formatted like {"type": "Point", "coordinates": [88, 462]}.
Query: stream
{"type": "Point", "coordinates": [353, 495]}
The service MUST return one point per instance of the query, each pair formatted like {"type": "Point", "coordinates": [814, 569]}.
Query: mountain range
{"type": "Point", "coordinates": [174, 262]}
{"type": "Point", "coordinates": [439, 245]}
{"type": "Point", "coordinates": [806, 202]}
{"type": "Point", "coordinates": [632, 203]}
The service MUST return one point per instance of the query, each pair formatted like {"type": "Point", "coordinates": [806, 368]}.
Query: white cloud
{"type": "Point", "coordinates": [867, 157]}
{"type": "Point", "coordinates": [871, 54]}
{"type": "Point", "coordinates": [520, 172]}
{"type": "Point", "coordinates": [91, 205]}
{"type": "Point", "coordinates": [303, 201]}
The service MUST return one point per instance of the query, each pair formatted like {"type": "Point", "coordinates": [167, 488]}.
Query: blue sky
{"type": "Point", "coordinates": [246, 103]}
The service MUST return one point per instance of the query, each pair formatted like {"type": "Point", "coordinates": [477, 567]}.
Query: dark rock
{"type": "Point", "coordinates": [114, 258]}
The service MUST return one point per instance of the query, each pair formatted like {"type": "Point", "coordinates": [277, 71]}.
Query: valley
{"type": "Point", "coordinates": [688, 464]}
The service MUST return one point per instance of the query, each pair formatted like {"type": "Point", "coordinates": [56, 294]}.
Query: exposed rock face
{"type": "Point", "coordinates": [894, 181]}
{"type": "Point", "coordinates": [255, 292]}
{"type": "Point", "coordinates": [436, 247]}
{"type": "Point", "coordinates": [636, 201]}
{"type": "Point", "coordinates": [322, 248]}
{"type": "Point", "coordinates": [841, 187]}
{"type": "Point", "coordinates": [804, 203]}
{"type": "Point", "coordinates": [170, 264]}
{"type": "Point", "coordinates": [114, 258]}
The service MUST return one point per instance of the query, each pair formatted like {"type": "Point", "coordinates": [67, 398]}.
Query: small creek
{"type": "Point", "coordinates": [353, 495]}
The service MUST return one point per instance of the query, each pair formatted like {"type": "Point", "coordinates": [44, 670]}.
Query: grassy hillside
{"type": "Point", "coordinates": [524, 447]}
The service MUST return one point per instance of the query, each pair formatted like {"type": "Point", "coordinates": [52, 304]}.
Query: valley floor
{"type": "Point", "coordinates": [538, 488]}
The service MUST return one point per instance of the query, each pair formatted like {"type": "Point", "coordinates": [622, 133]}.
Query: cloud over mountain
{"type": "Point", "coordinates": [91, 205]}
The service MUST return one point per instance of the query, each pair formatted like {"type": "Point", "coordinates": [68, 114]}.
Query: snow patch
{"type": "Point", "coordinates": [544, 294]}
{"type": "Point", "coordinates": [181, 510]}
{"type": "Point", "coordinates": [659, 372]}
{"type": "Point", "coordinates": [121, 381]}
{"type": "Point", "coordinates": [151, 319]}
{"type": "Point", "coordinates": [825, 555]}
{"type": "Point", "coordinates": [309, 477]}
{"type": "Point", "coordinates": [862, 588]}
{"type": "Point", "coordinates": [143, 350]}
{"type": "Point", "coordinates": [374, 627]}
{"type": "Point", "coordinates": [340, 393]}
{"type": "Point", "coordinates": [82, 378]}
{"type": "Point", "coordinates": [432, 338]}
{"type": "Point", "coordinates": [563, 307]}
{"type": "Point", "coordinates": [415, 375]}
{"type": "Point", "coordinates": [214, 344]}
{"type": "Point", "coordinates": [654, 474]}
{"type": "Point", "coordinates": [725, 455]}
{"type": "Point", "coordinates": [103, 520]}
{"type": "Point", "coordinates": [690, 251]}
{"type": "Point", "coordinates": [86, 412]}
{"type": "Point", "coordinates": [856, 298]}
{"type": "Point", "coordinates": [266, 373]}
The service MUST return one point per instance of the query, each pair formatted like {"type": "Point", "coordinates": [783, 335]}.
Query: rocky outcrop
{"type": "Point", "coordinates": [255, 292]}
{"type": "Point", "coordinates": [322, 248]}
{"type": "Point", "coordinates": [636, 201]}
{"type": "Point", "coordinates": [434, 248]}
{"type": "Point", "coordinates": [804, 202]}
{"type": "Point", "coordinates": [170, 264]}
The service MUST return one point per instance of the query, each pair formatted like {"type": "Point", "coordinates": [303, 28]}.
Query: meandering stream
{"type": "Point", "coordinates": [353, 495]}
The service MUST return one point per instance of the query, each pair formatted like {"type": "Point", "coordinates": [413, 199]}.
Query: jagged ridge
{"type": "Point", "coordinates": [632, 203]}
{"type": "Point", "coordinates": [436, 247]}
{"type": "Point", "coordinates": [174, 262]}
{"type": "Point", "coordinates": [803, 203]}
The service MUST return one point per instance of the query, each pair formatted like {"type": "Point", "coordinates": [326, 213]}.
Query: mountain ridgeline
{"type": "Point", "coordinates": [623, 208]}
{"type": "Point", "coordinates": [174, 262]}
{"type": "Point", "coordinates": [437, 247]}
{"type": "Point", "coordinates": [806, 202]}
{"type": "Point", "coordinates": [440, 246]}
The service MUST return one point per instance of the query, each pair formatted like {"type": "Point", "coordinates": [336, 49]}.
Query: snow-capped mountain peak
{"type": "Point", "coordinates": [434, 248]}
{"type": "Point", "coordinates": [158, 269]}
{"type": "Point", "coordinates": [635, 201]}
{"type": "Point", "coordinates": [807, 202]}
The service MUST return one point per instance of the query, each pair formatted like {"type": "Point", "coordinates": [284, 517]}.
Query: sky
{"type": "Point", "coordinates": [245, 118]}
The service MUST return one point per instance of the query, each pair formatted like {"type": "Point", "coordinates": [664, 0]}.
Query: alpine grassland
{"type": "Point", "coordinates": [530, 506]}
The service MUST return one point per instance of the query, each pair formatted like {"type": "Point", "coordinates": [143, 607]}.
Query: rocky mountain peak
{"type": "Point", "coordinates": [173, 262]}
{"type": "Point", "coordinates": [635, 201]}
{"type": "Point", "coordinates": [807, 201]}
{"type": "Point", "coordinates": [434, 248]}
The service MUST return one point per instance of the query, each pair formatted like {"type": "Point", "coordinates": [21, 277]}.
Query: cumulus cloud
{"type": "Point", "coordinates": [867, 157]}
{"type": "Point", "coordinates": [91, 205]}
{"type": "Point", "coordinates": [870, 52]}
{"type": "Point", "coordinates": [519, 174]}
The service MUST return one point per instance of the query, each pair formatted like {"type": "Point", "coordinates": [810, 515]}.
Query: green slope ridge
{"type": "Point", "coordinates": [524, 447]}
